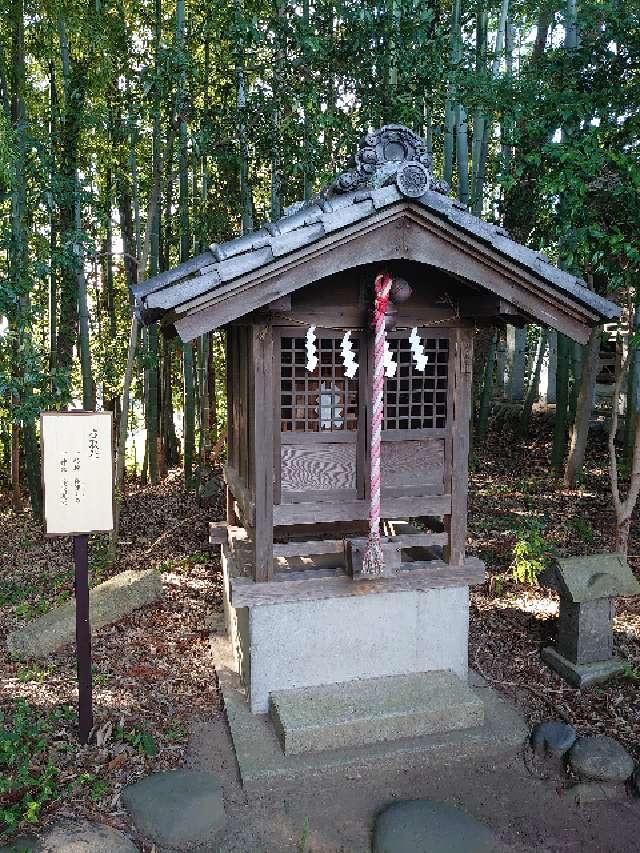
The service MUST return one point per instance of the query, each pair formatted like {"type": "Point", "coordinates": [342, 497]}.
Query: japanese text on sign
{"type": "Point", "coordinates": [77, 472]}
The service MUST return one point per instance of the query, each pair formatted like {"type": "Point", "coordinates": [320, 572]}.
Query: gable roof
{"type": "Point", "coordinates": [386, 208]}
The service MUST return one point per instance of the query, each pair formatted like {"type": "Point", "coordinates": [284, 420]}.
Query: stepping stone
{"type": "Point", "coordinates": [70, 836]}
{"type": "Point", "coordinates": [24, 844]}
{"type": "Point", "coordinates": [601, 759]}
{"type": "Point", "coordinates": [425, 826]}
{"type": "Point", "coordinates": [371, 710]}
{"type": "Point", "coordinates": [552, 738]}
{"type": "Point", "coordinates": [108, 602]}
{"type": "Point", "coordinates": [179, 809]}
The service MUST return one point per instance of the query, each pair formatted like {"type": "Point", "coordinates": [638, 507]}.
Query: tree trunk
{"type": "Point", "coordinates": [20, 279]}
{"type": "Point", "coordinates": [623, 508]}
{"type": "Point", "coordinates": [584, 407]}
{"type": "Point", "coordinates": [74, 86]}
{"type": "Point", "coordinates": [246, 203]}
{"type": "Point", "coordinates": [276, 132]}
{"type": "Point", "coordinates": [169, 439]}
{"type": "Point", "coordinates": [462, 155]}
{"type": "Point", "coordinates": [478, 190]}
{"type": "Point", "coordinates": [53, 225]}
{"type": "Point", "coordinates": [189, 414]}
{"type": "Point", "coordinates": [451, 107]}
{"type": "Point", "coordinates": [482, 26]}
{"type": "Point", "coordinates": [516, 351]}
{"type": "Point", "coordinates": [187, 349]}
{"type": "Point", "coordinates": [562, 404]}
{"type": "Point", "coordinates": [534, 382]}
{"type": "Point", "coordinates": [549, 368]}
{"type": "Point", "coordinates": [203, 368]}
{"type": "Point", "coordinates": [633, 385]}
{"type": "Point", "coordinates": [487, 390]}
{"type": "Point", "coordinates": [88, 398]}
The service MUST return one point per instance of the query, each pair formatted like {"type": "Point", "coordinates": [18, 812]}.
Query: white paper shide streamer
{"type": "Point", "coordinates": [312, 357]}
{"type": "Point", "coordinates": [417, 350]}
{"type": "Point", "coordinates": [390, 366]}
{"type": "Point", "coordinates": [348, 356]}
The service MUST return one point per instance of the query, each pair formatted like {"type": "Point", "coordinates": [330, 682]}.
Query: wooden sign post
{"type": "Point", "coordinates": [77, 476]}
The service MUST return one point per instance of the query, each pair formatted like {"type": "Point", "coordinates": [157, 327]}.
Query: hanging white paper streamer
{"type": "Point", "coordinates": [312, 358]}
{"type": "Point", "coordinates": [417, 350]}
{"type": "Point", "coordinates": [348, 356]}
{"type": "Point", "coordinates": [390, 365]}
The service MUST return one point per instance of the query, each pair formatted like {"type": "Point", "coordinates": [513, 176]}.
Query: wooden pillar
{"type": "Point", "coordinates": [463, 365]}
{"type": "Point", "coordinates": [261, 425]}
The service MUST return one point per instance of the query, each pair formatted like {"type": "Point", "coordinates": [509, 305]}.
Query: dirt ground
{"type": "Point", "coordinates": [335, 814]}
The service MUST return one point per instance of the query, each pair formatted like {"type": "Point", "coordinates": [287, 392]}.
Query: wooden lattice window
{"type": "Point", "coordinates": [416, 399]}
{"type": "Point", "coordinates": [322, 400]}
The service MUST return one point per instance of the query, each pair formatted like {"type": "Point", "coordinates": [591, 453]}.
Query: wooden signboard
{"type": "Point", "coordinates": [77, 472]}
{"type": "Point", "coordinates": [77, 479]}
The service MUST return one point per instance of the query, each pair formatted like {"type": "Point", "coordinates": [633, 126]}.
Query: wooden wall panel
{"type": "Point", "coordinates": [413, 464]}
{"type": "Point", "coordinates": [317, 468]}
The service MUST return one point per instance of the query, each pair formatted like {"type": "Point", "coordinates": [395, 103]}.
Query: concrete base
{"type": "Point", "coordinates": [261, 758]}
{"type": "Point", "coordinates": [582, 674]}
{"type": "Point", "coordinates": [309, 643]}
{"type": "Point", "coordinates": [355, 713]}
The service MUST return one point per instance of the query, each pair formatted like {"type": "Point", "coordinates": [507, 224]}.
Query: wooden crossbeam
{"type": "Point", "coordinates": [311, 585]}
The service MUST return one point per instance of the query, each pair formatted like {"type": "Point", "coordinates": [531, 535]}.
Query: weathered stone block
{"type": "Point", "coordinates": [108, 602]}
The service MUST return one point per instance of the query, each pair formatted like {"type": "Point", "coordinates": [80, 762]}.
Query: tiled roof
{"type": "Point", "coordinates": [306, 223]}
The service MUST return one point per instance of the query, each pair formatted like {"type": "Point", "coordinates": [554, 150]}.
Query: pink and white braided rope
{"type": "Point", "coordinates": [373, 561]}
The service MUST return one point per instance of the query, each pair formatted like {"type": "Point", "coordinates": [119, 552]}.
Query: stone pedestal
{"type": "Point", "coordinates": [582, 674]}
{"type": "Point", "coordinates": [312, 642]}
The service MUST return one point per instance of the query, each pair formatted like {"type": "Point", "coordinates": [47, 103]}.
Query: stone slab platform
{"type": "Point", "coordinates": [582, 674]}
{"type": "Point", "coordinates": [371, 710]}
{"type": "Point", "coordinates": [261, 759]}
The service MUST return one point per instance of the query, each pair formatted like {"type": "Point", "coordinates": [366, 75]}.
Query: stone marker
{"type": "Point", "coordinates": [587, 587]}
{"type": "Point", "coordinates": [108, 602]}
{"type": "Point", "coordinates": [178, 810]}
{"type": "Point", "coordinates": [552, 737]}
{"type": "Point", "coordinates": [426, 826]}
{"type": "Point", "coordinates": [601, 759]}
{"type": "Point", "coordinates": [68, 836]}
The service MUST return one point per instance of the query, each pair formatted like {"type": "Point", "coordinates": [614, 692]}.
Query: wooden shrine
{"type": "Point", "coordinates": [295, 299]}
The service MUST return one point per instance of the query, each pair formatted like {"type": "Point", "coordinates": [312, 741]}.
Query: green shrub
{"type": "Point", "coordinates": [531, 553]}
{"type": "Point", "coordinates": [584, 530]}
{"type": "Point", "coordinates": [27, 778]}
{"type": "Point", "coordinates": [140, 739]}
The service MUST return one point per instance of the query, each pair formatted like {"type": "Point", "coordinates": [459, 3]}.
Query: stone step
{"type": "Point", "coordinates": [372, 710]}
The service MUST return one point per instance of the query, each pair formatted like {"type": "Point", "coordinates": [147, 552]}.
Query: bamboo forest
{"type": "Point", "coordinates": [139, 137]}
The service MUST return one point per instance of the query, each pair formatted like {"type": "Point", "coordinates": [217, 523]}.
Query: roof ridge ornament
{"type": "Point", "coordinates": [392, 154]}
